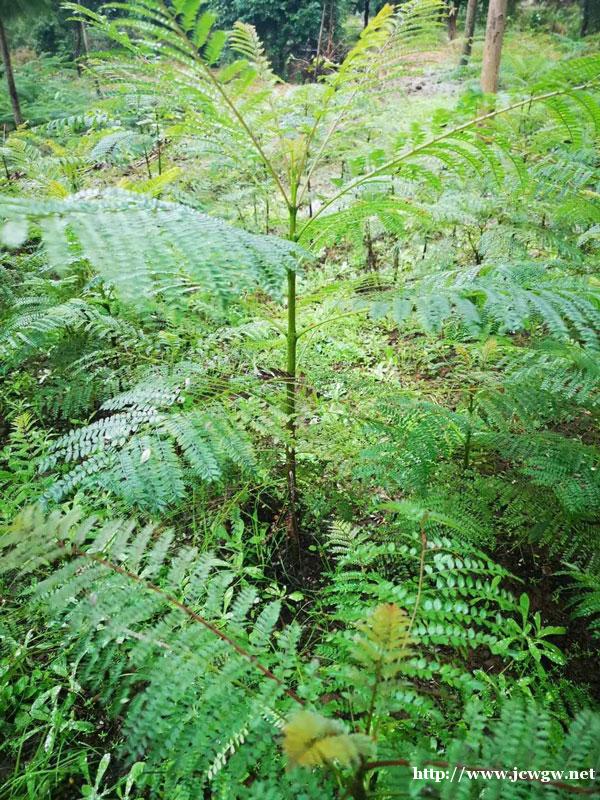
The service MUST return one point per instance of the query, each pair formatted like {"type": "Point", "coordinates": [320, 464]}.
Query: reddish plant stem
{"type": "Point", "coordinates": [192, 615]}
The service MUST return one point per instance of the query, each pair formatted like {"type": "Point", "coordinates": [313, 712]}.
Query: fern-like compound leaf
{"type": "Point", "coordinates": [147, 247]}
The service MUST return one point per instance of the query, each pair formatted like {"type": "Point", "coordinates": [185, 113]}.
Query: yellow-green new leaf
{"type": "Point", "coordinates": [311, 740]}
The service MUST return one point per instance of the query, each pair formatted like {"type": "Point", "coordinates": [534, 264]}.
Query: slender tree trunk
{"type": "Point", "coordinates": [331, 28]}
{"type": "Point", "coordinates": [367, 12]}
{"type": "Point", "coordinates": [78, 46]}
{"type": "Point", "coordinates": [585, 17]}
{"type": "Point", "coordinates": [84, 38]}
{"type": "Point", "coordinates": [492, 52]}
{"type": "Point", "coordinates": [82, 44]}
{"type": "Point", "coordinates": [86, 51]}
{"type": "Point", "coordinates": [469, 32]}
{"type": "Point", "coordinates": [320, 42]}
{"type": "Point", "coordinates": [452, 19]}
{"type": "Point", "coordinates": [10, 78]}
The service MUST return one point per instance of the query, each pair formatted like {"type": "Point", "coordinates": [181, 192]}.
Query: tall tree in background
{"type": "Point", "coordinates": [590, 17]}
{"type": "Point", "coordinates": [585, 16]}
{"type": "Point", "coordinates": [367, 8]}
{"type": "Point", "coordinates": [470, 20]}
{"type": "Point", "coordinates": [452, 19]}
{"type": "Point", "coordinates": [492, 51]}
{"type": "Point", "coordinates": [10, 9]}
{"type": "Point", "coordinates": [366, 12]}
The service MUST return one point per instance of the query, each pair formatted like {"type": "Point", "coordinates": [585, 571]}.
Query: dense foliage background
{"type": "Point", "coordinates": [299, 474]}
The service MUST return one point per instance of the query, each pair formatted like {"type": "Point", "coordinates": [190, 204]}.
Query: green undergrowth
{"type": "Point", "coordinates": [176, 621]}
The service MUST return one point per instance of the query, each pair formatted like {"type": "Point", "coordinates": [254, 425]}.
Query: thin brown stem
{"type": "Point", "coordinates": [319, 43]}
{"type": "Point", "coordinates": [200, 620]}
{"type": "Point", "coordinates": [10, 78]}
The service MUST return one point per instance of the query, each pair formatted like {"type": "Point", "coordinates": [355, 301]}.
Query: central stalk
{"type": "Point", "coordinates": [290, 403]}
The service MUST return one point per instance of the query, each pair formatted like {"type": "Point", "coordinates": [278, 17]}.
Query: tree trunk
{"type": "Point", "coordinates": [86, 52]}
{"type": "Point", "coordinates": [590, 17]}
{"type": "Point", "coordinates": [469, 32]}
{"type": "Point", "coordinates": [452, 18]}
{"type": "Point", "coordinates": [492, 52]}
{"type": "Point", "coordinates": [10, 78]}
{"type": "Point", "coordinates": [320, 42]}
{"type": "Point", "coordinates": [84, 39]}
{"type": "Point", "coordinates": [367, 12]}
{"type": "Point", "coordinates": [78, 47]}
{"type": "Point", "coordinates": [585, 17]}
{"type": "Point", "coordinates": [331, 28]}
{"type": "Point", "coordinates": [82, 45]}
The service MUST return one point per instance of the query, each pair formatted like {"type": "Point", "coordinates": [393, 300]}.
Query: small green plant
{"type": "Point", "coordinates": [526, 641]}
{"type": "Point", "coordinates": [19, 478]}
{"type": "Point", "coordinates": [122, 789]}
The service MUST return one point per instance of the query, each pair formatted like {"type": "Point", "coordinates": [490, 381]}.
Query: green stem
{"type": "Point", "coordinates": [373, 701]}
{"type": "Point", "coordinates": [469, 436]}
{"type": "Point", "coordinates": [423, 533]}
{"type": "Point", "coordinates": [290, 403]}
